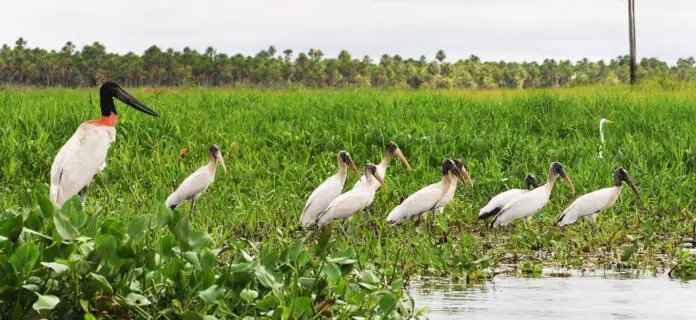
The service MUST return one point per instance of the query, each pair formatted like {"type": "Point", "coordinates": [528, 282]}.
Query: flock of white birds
{"type": "Point", "coordinates": [84, 155]}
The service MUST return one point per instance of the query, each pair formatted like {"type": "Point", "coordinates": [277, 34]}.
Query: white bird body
{"type": "Point", "coordinates": [524, 206]}
{"type": "Point", "coordinates": [498, 202]}
{"type": "Point", "coordinates": [527, 204]}
{"type": "Point", "coordinates": [356, 199]}
{"type": "Point", "coordinates": [422, 201]}
{"type": "Point", "coordinates": [79, 160]}
{"type": "Point", "coordinates": [589, 205]}
{"type": "Point", "coordinates": [329, 190]}
{"type": "Point", "coordinates": [84, 155]}
{"type": "Point", "coordinates": [449, 195]}
{"type": "Point", "coordinates": [198, 182]}
{"type": "Point", "coordinates": [193, 186]}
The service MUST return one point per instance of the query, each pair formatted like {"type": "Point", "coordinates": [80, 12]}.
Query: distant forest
{"type": "Point", "coordinates": [21, 65]}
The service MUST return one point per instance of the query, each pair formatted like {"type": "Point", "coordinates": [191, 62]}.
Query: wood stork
{"type": "Point", "coordinates": [453, 187]}
{"type": "Point", "coordinates": [499, 201]}
{"type": "Point", "coordinates": [429, 198]}
{"type": "Point", "coordinates": [526, 205]}
{"type": "Point", "coordinates": [358, 198]}
{"type": "Point", "coordinates": [195, 184]}
{"type": "Point", "coordinates": [601, 134]}
{"type": "Point", "coordinates": [326, 192]}
{"type": "Point", "coordinates": [84, 155]}
{"type": "Point", "coordinates": [390, 149]}
{"type": "Point", "coordinates": [591, 204]}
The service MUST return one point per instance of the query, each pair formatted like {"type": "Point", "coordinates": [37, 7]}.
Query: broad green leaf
{"type": "Point", "coordinates": [24, 258]}
{"type": "Point", "coordinates": [266, 277]}
{"type": "Point", "coordinates": [302, 306]}
{"type": "Point", "coordinates": [58, 268]}
{"type": "Point", "coordinates": [198, 240]}
{"type": "Point", "coordinates": [387, 302]}
{"type": "Point", "coordinates": [164, 216]}
{"type": "Point", "coordinates": [332, 272]}
{"type": "Point", "coordinates": [138, 226]}
{"type": "Point", "coordinates": [45, 205]}
{"type": "Point", "coordinates": [267, 303]}
{"type": "Point", "coordinates": [65, 229]}
{"type": "Point", "coordinates": [295, 250]}
{"type": "Point", "coordinates": [240, 267]}
{"type": "Point", "coordinates": [212, 294]}
{"type": "Point", "coordinates": [102, 282]}
{"type": "Point", "coordinates": [191, 315]}
{"type": "Point", "coordinates": [207, 259]}
{"type": "Point", "coordinates": [192, 258]}
{"type": "Point", "coordinates": [307, 282]}
{"type": "Point", "coordinates": [397, 285]}
{"type": "Point", "coordinates": [47, 302]}
{"type": "Point", "coordinates": [369, 276]}
{"type": "Point", "coordinates": [134, 299]}
{"type": "Point", "coordinates": [105, 246]}
{"type": "Point", "coordinates": [249, 295]}
{"type": "Point", "coordinates": [182, 231]}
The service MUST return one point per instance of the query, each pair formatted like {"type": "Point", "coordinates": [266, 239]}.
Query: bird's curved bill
{"type": "Point", "coordinates": [381, 182]}
{"type": "Point", "coordinates": [219, 160]}
{"type": "Point", "coordinates": [351, 164]}
{"type": "Point", "coordinates": [608, 121]}
{"type": "Point", "coordinates": [402, 158]}
{"type": "Point", "coordinates": [463, 174]}
{"type": "Point", "coordinates": [136, 104]}
{"type": "Point", "coordinates": [634, 189]}
{"type": "Point", "coordinates": [570, 183]}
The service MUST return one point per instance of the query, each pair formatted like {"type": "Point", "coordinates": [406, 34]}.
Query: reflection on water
{"type": "Point", "coordinates": [576, 297]}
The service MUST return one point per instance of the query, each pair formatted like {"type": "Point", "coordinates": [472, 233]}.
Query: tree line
{"type": "Point", "coordinates": [71, 67]}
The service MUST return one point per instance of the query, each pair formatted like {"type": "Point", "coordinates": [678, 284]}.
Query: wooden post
{"type": "Point", "coordinates": [632, 38]}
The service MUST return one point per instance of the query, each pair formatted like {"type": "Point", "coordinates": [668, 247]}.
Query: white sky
{"type": "Point", "coordinates": [492, 29]}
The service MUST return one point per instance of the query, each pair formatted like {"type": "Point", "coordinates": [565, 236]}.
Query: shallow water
{"type": "Point", "coordinates": [614, 296]}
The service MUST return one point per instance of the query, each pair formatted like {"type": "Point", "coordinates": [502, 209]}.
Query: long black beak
{"type": "Point", "coordinates": [630, 183]}
{"type": "Point", "coordinates": [130, 100]}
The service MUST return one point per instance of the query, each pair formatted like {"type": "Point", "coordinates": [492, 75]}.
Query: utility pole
{"type": "Point", "coordinates": [632, 38]}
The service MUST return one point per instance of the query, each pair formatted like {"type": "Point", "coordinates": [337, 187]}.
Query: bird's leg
{"type": "Point", "coordinates": [83, 195]}
{"type": "Point", "coordinates": [193, 208]}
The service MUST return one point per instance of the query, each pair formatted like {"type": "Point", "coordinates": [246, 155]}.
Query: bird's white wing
{"type": "Point", "coordinates": [423, 200]}
{"type": "Point", "coordinates": [320, 198]}
{"type": "Point", "coordinates": [345, 205]}
{"type": "Point", "coordinates": [523, 206]}
{"type": "Point", "coordinates": [588, 204]}
{"type": "Point", "coordinates": [499, 201]}
{"type": "Point", "coordinates": [79, 160]}
{"type": "Point", "coordinates": [193, 185]}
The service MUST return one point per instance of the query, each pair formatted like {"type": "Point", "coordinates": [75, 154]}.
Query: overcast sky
{"type": "Point", "coordinates": [492, 29]}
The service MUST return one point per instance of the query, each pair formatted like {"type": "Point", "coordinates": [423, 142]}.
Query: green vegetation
{"type": "Point", "coordinates": [70, 67]}
{"type": "Point", "coordinates": [279, 145]}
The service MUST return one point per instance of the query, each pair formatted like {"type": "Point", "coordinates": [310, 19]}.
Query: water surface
{"type": "Point", "coordinates": [614, 296]}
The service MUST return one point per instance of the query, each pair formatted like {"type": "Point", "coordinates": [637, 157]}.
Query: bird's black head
{"type": "Point", "coordinates": [448, 166]}
{"type": "Point", "coordinates": [214, 150]}
{"type": "Point", "coordinates": [371, 168]}
{"type": "Point", "coordinates": [110, 90]}
{"type": "Point", "coordinates": [530, 180]}
{"type": "Point", "coordinates": [345, 156]}
{"type": "Point", "coordinates": [558, 168]}
{"type": "Point", "coordinates": [620, 174]}
{"type": "Point", "coordinates": [391, 147]}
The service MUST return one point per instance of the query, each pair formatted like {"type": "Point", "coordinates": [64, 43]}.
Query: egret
{"type": "Point", "coordinates": [84, 155]}
{"type": "Point", "coordinates": [601, 133]}
{"type": "Point", "coordinates": [195, 184]}
{"type": "Point", "coordinates": [358, 198]}
{"type": "Point", "coordinates": [499, 201]}
{"type": "Point", "coordinates": [326, 192]}
{"type": "Point", "coordinates": [526, 205]}
{"type": "Point", "coordinates": [453, 187]}
{"type": "Point", "coordinates": [390, 149]}
{"type": "Point", "coordinates": [591, 204]}
{"type": "Point", "coordinates": [429, 198]}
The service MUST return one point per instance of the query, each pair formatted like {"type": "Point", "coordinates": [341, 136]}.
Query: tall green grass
{"type": "Point", "coordinates": [279, 145]}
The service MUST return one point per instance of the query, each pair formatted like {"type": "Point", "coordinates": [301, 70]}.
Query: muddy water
{"type": "Point", "coordinates": [597, 296]}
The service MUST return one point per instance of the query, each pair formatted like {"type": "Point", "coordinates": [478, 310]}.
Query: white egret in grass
{"type": "Point", "coordinates": [358, 198]}
{"type": "Point", "coordinates": [390, 150]}
{"type": "Point", "coordinates": [326, 192]}
{"type": "Point", "coordinates": [601, 134]}
{"type": "Point", "coordinates": [195, 184]}
{"type": "Point", "coordinates": [430, 198]}
{"type": "Point", "coordinates": [500, 200]}
{"type": "Point", "coordinates": [84, 155]}
{"type": "Point", "coordinates": [591, 204]}
{"type": "Point", "coordinates": [526, 205]}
